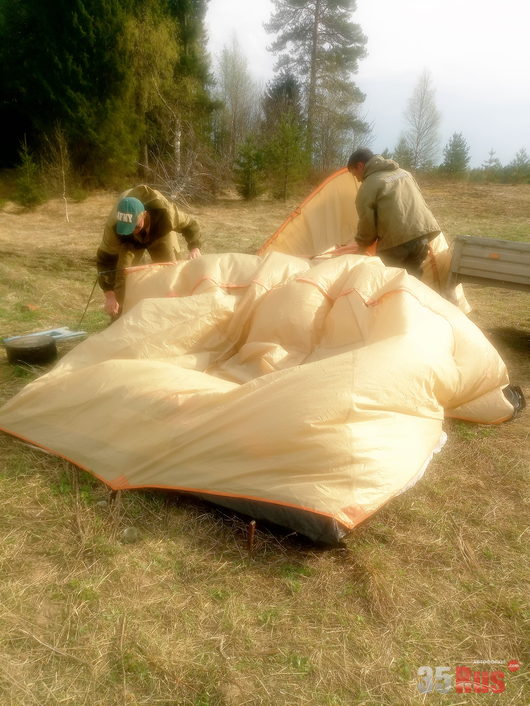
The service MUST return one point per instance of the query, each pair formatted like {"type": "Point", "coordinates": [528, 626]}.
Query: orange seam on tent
{"type": "Point", "coordinates": [315, 284]}
{"type": "Point", "coordinates": [326, 294]}
{"type": "Point", "coordinates": [319, 188]}
{"type": "Point", "coordinates": [118, 484]}
{"type": "Point", "coordinates": [137, 268]}
{"type": "Point", "coordinates": [345, 293]}
{"type": "Point", "coordinates": [55, 453]}
{"type": "Point", "coordinates": [229, 285]}
{"type": "Point", "coordinates": [366, 514]}
{"type": "Point", "coordinates": [353, 511]}
{"type": "Point", "coordinates": [238, 496]}
{"type": "Point", "coordinates": [284, 225]}
{"type": "Point", "coordinates": [262, 284]}
{"type": "Point", "coordinates": [374, 302]}
{"type": "Point", "coordinates": [224, 285]}
{"type": "Point", "coordinates": [298, 209]}
{"type": "Point", "coordinates": [355, 291]}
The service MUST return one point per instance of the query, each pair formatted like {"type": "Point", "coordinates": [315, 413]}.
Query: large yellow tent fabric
{"type": "Point", "coordinates": [304, 393]}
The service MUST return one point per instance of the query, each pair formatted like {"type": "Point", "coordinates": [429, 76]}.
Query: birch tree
{"type": "Point", "coordinates": [423, 120]}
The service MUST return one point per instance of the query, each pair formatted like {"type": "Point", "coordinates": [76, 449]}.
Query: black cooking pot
{"type": "Point", "coordinates": [35, 350]}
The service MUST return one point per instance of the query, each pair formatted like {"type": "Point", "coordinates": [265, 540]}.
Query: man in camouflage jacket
{"type": "Point", "coordinates": [142, 219]}
{"type": "Point", "coordinates": [392, 211]}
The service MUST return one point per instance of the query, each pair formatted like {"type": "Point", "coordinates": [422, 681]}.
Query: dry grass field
{"type": "Point", "coordinates": [183, 615]}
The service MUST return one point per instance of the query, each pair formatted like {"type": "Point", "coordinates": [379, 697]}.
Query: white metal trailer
{"type": "Point", "coordinates": [492, 262]}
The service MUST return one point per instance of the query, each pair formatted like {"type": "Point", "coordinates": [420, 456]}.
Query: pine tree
{"type": "Point", "coordinates": [59, 66]}
{"type": "Point", "coordinates": [29, 188]}
{"type": "Point", "coordinates": [191, 76]}
{"type": "Point", "coordinates": [403, 153]}
{"type": "Point", "coordinates": [248, 170]}
{"type": "Point", "coordinates": [491, 167]}
{"type": "Point", "coordinates": [518, 171]}
{"type": "Point", "coordinates": [456, 156]}
{"type": "Point", "coordinates": [317, 41]}
{"type": "Point", "coordinates": [493, 162]}
{"type": "Point", "coordinates": [285, 154]}
{"type": "Point", "coordinates": [193, 60]}
{"type": "Point", "coordinates": [281, 94]}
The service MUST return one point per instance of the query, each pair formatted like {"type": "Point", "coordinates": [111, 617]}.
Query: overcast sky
{"type": "Point", "coordinates": [477, 52]}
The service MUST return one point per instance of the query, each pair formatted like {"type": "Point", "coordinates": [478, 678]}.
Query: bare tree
{"type": "Point", "coordinates": [239, 97]}
{"type": "Point", "coordinates": [423, 120]}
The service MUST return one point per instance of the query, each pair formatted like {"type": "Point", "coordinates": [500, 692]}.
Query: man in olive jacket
{"type": "Point", "coordinates": [392, 211]}
{"type": "Point", "coordinates": [143, 219]}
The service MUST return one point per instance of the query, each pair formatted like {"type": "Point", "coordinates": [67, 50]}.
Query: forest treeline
{"type": "Point", "coordinates": [103, 85]}
{"type": "Point", "coordinates": [101, 92]}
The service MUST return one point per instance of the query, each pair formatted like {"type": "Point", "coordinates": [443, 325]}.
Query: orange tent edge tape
{"type": "Point", "coordinates": [138, 268]}
{"type": "Point", "coordinates": [127, 486]}
{"type": "Point", "coordinates": [297, 210]}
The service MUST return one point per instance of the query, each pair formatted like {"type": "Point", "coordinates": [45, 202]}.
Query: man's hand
{"type": "Point", "coordinates": [111, 305]}
{"type": "Point", "coordinates": [194, 254]}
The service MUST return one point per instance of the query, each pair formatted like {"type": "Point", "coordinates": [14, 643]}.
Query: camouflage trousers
{"type": "Point", "coordinates": [408, 255]}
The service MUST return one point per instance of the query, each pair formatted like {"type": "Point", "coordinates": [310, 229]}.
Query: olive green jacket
{"type": "Point", "coordinates": [164, 219]}
{"type": "Point", "coordinates": [390, 206]}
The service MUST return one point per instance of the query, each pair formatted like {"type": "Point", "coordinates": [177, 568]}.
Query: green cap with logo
{"type": "Point", "coordinates": [129, 209]}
